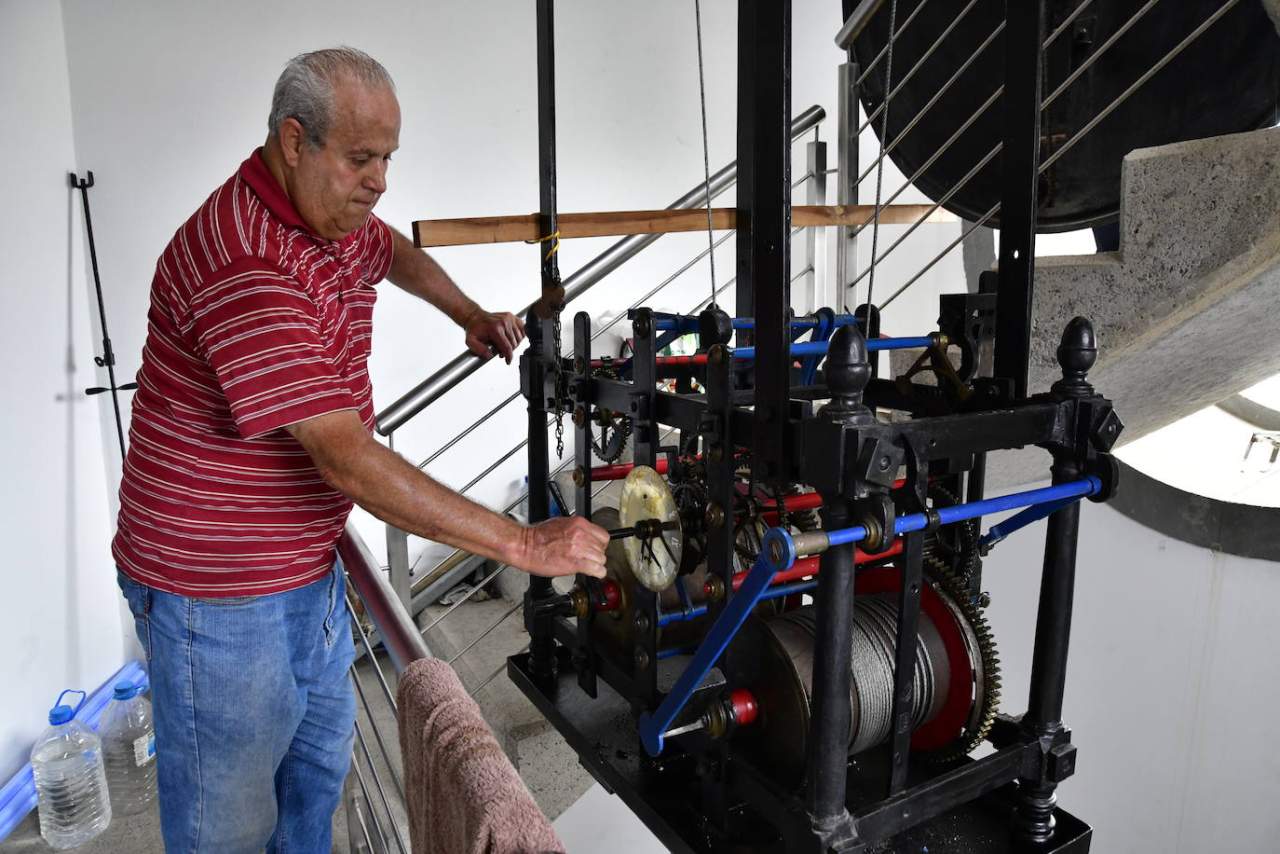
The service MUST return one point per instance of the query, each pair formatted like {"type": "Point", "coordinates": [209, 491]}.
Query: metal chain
{"type": "Point", "coordinates": [884, 135]}
{"type": "Point", "coordinates": [706, 154]}
{"type": "Point", "coordinates": [559, 375]}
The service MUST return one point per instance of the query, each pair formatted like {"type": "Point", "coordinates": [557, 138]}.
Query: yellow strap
{"type": "Point", "coordinates": [555, 245]}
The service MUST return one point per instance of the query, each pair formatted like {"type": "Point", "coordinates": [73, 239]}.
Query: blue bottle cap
{"type": "Point", "coordinates": [125, 690]}
{"type": "Point", "coordinates": [61, 713]}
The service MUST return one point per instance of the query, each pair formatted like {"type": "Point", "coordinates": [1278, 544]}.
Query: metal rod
{"type": "Point", "coordinates": [377, 733]}
{"type": "Point", "coordinates": [1049, 654]}
{"type": "Point", "coordinates": [1085, 486]}
{"type": "Point", "coordinates": [368, 651]}
{"type": "Point", "coordinates": [828, 743]}
{"type": "Point", "coordinates": [382, 792]}
{"type": "Point", "coordinates": [717, 638]}
{"type": "Point", "coordinates": [364, 788]}
{"type": "Point", "coordinates": [485, 633]}
{"type": "Point", "coordinates": [108, 358]}
{"type": "Point", "coordinates": [586, 277]}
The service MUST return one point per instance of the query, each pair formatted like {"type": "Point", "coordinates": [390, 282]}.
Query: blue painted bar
{"type": "Point", "coordinates": [652, 726]}
{"type": "Point", "coordinates": [688, 323]}
{"type": "Point", "coordinates": [819, 348]}
{"type": "Point", "coordinates": [1020, 520]}
{"type": "Point", "coordinates": [701, 610]}
{"type": "Point", "coordinates": [960, 512]}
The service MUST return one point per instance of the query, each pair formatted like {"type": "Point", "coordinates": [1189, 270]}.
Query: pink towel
{"type": "Point", "coordinates": [464, 795]}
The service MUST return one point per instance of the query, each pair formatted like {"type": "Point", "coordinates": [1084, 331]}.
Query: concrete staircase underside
{"type": "Point", "coordinates": [1187, 312]}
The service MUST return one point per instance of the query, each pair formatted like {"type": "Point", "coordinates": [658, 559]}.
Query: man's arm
{"type": "Point", "coordinates": [417, 273]}
{"type": "Point", "coordinates": [391, 488]}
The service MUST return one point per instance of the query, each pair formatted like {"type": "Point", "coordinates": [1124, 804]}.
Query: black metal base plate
{"type": "Point", "coordinates": [664, 795]}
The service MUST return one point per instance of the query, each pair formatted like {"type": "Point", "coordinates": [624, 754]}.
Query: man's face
{"type": "Point", "coordinates": [335, 187]}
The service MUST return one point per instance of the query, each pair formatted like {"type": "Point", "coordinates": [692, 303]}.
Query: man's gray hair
{"type": "Point", "coordinates": [305, 88]}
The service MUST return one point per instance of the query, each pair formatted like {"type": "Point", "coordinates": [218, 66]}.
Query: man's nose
{"type": "Point", "coordinates": [376, 178]}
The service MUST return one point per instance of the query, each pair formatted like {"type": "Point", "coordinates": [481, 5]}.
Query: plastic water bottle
{"type": "Point", "coordinates": [129, 750]}
{"type": "Point", "coordinates": [71, 784]}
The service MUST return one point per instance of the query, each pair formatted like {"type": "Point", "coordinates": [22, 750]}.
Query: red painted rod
{"type": "Point", "coordinates": [621, 470]}
{"type": "Point", "coordinates": [807, 566]}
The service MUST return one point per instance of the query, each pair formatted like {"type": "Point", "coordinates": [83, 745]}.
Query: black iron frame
{"type": "Point", "coordinates": [851, 459]}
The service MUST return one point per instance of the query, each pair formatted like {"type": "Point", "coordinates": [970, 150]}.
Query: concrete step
{"type": "Point", "coordinates": [1185, 310]}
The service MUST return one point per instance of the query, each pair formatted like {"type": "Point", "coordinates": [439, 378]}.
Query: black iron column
{"type": "Point", "coordinates": [847, 374]}
{"type": "Point", "coordinates": [1043, 720]}
{"type": "Point", "coordinates": [543, 340]}
{"type": "Point", "coordinates": [583, 414]}
{"type": "Point", "coordinates": [764, 218]}
{"type": "Point", "coordinates": [1019, 167]}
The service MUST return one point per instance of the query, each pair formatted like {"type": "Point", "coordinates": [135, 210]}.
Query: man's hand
{"type": "Point", "coordinates": [489, 331]}
{"type": "Point", "coordinates": [562, 546]}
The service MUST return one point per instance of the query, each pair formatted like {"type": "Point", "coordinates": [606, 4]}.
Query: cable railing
{"type": "Point", "coordinates": [465, 364]}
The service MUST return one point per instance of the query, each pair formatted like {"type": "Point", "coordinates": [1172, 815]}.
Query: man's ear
{"type": "Point", "coordinates": [292, 137]}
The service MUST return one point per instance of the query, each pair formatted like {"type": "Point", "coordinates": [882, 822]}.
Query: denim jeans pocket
{"type": "Point", "coordinates": [226, 601]}
{"type": "Point", "coordinates": [337, 605]}
{"type": "Point", "coordinates": [138, 596]}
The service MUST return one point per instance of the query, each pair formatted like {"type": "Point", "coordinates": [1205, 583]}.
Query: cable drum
{"type": "Point", "coordinates": [774, 658]}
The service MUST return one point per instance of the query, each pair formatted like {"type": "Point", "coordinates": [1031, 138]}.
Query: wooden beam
{"type": "Point", "coordinates": [509, 229]}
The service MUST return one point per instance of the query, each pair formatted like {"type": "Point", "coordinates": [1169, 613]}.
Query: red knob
{"type": "Point", "coordinates": [745, 707]}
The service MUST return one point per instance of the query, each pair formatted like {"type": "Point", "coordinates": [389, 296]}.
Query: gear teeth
{"type": "Point", "coordinates": [956, 589]}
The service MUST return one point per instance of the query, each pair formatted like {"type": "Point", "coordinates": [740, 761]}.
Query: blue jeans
{"type": "Point", "coordinates": [254, 715]}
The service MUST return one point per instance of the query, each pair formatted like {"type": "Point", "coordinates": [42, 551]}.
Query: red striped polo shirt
{"type": "Point", "coordinates": [255, 323]}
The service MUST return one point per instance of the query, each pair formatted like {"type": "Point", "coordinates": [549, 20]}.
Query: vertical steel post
{"type": "Point", "coordinates": [912, 570]}
{"type": "Point", "coordinates": [542, 347]}
{"type": "Point", "coordinates": [764, 218]}
{"type": "Point", "coordinates": [1019, 164]}
{"type": "Point", "coordinates": [846, 177]}
{"type": "Point", "coordinates": [1049, 657]}
{"type": "Point", "coordinates": [1043, 720]}
{"type": "Point", "coordinates": [584, 655]}
{"type": "Point", "coordinates": [646, 440]}
{"type": "Point", "coordinates": [398, 552]}
{"type": "Point", "coordinates": [828, 745]}
{"type": "Point", "coordinates": [815, 238]}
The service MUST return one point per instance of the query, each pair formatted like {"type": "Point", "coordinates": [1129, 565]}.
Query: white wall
{"type": "Point", "coordinates": [1172, 685]}
{"type": "Point", "coordinates": [60, 623]}
{"type": "Point", "coordinates": [169, 98]}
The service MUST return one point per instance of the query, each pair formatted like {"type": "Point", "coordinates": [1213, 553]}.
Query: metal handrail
{"type": "Point", "coordinates": [465, 364]}
{"type": "Point", "coordinates": [399, 634]}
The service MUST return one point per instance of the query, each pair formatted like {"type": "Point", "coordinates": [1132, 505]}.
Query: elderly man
{"type": "Point", "coordinates": [251, 439]}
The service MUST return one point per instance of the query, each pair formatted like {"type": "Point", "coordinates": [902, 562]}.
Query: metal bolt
{"type": "Point", "coordinates": [984, 599]}
{"type": "Point", "coordinates": [884, 463]}
{"type": "Point", "coordinates": [714, 516]}
{"type": "Point", "coordinates": [775, 552]}
{"type": "Point", "coordinates": [642, 659]}
{"type": "Point", "coordinates": [579, 476]}
{"type": "Point", "coordinates": [579, 416]}
{"type": "Point", "coordinates": [579, 365]}
{"type": "Point", "coordinates": [641, 621]}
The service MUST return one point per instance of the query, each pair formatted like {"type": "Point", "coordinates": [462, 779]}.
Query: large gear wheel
{"type": "Point", "coordinates": [984, 714]}
{"type": "Point", "coordinates": [614, 427]}
{"type": "Point", "coordinates": [958, 589]}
